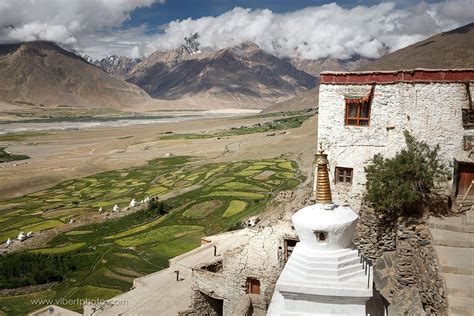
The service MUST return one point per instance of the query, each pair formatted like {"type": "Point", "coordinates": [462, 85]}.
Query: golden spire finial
{"type": "Point", "coordinates": [323, 188]}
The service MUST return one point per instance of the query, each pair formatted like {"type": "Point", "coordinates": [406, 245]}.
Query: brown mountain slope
{"type": "Point", "coordinates": [243, 72]}
{"type": "Point", "coordinates": [304, 101]}
{"type": "Point", "coordinates": [44, 73]}
{"type": "Point", "coordinates": [448, 50]}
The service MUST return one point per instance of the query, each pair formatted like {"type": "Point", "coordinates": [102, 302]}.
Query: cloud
{"type": "Point", "coordinates": [323, 31]}
{"type": "Point", "coordinates": [94, 27]}
{"type": "Point", "coordinates": [62, 21]}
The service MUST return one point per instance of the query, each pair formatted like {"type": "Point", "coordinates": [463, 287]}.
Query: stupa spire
{"type": "Point", "coordinates": [323, 188]}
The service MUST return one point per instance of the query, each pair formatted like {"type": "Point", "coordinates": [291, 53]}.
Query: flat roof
{"type": "Point", "coordinates": [398, 76]}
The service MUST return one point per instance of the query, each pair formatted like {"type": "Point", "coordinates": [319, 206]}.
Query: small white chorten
{"type": "Point", "coordinates": [116, 208]}
{"type": "Point", "coordinates": [100, 209]}
{"type": "Point", "coordinates": [324, 275]}
{"type": "Point", "coordinates": [133, 203]}
{"type": "Point", "coordinates": [9, 242]}
{"type": "Point", "coordinates": [21, 236]}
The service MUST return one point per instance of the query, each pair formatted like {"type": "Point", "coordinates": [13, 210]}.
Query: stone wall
{"type": "Point", "coordinates": [261, 258]}
{"type": "Point", "coordinates": [406, 269]}
{"type": "Point", "coordinates": [430, 111]}
{"type": "Point", "coordinates": [374, 235]}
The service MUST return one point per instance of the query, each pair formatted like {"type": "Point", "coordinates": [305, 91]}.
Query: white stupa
{"type": "Point", "coordinates": [21, 236]}
{"type": "Point", "coordinates": [100, 209]}
{"type": "Point", "coordinates": [133, 203]}
{"type": "Point", "coordinates": [116, 208]}
{"type": "Point", "coordinates": [324, 275]}
{"type": "Point", "coordinates": [9, 242]}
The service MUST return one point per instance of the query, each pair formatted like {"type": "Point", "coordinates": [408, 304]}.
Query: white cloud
{"type": "Point", "coordinates": [328, 30]}
{"type": "Point", "coordinates": [62, 21]}
{"type": "Point", "coordinates": [90, 26]}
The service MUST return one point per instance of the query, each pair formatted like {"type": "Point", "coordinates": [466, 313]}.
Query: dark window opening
{"type": "Point", "coordinates": [213, 267]}
{"type": "Point", "coordinates": [211, 305]}
{"type": "Point", "coordinates": [289, 247]}
{"type": "Point", "coordinates": [321, 236]}
{"type": "Point", "coordinates": [343, 175]}
{"type": "Point", "coordinates": [253, 286]}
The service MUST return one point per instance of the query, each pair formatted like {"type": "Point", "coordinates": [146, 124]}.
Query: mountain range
{"type": "Point", "coordinates": [45, 74]}
{"type": "Point", "coordinates": [449, 50]}
{"type": "Point", "coordinates": [188, 77]}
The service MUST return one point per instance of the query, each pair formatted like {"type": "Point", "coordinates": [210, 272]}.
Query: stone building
{"type": "Point", "coordinates": [365, 113]}
{"type": "Point", "coordinates": [242, 281]}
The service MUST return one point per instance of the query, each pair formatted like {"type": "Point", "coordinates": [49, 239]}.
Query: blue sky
{"type": "Point", "coordinates": [160, 14]}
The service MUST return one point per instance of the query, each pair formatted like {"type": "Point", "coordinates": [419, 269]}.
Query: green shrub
{"type": "Point", "coordinates": [157, 208]}
{"type": "Point", "coordinates": [23, 269]}
{"type": "Point", "coordinates": [235, 226]}
{"type": "Point", "coordinates": [401, 185]}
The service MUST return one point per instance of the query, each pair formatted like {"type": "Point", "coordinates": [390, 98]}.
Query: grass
{"type": "Point", "coordinates": [137, 229]}
{"type": "Point", "coordinates": [77, 232]}
{"type": "Point", "coordinates": [178, 246]}
{"type": "Point", "coordinates": [16, 137]}
{"type": "Point", "coordinates": [235, 206]}
{"type": "Point", "coordinates": [162, 234]}
{"type": "Point", "coordinates": [221, 198]}
{"type": "Point", "coordinates": [43, 226]}
{"type": "Point", "coordinates": [58, 250]}
{"type": "Point", "coordinates": [241, 194]}
{"type": "Point", "coordinates": [203, 209]}
{"type": "Point", "coordinates": [271, 126]}
{"type": "Point", "coordinates": [6, 156]}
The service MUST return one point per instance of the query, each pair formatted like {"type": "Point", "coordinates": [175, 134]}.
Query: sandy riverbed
{"type": "Point", "coordinates": [64, 155]}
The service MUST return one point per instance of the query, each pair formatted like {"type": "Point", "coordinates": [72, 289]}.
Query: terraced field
{"type": "Point", "coordinates": [108, 255]}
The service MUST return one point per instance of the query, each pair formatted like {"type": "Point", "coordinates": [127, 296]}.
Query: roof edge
{"type": "Point", "coordinates": [405, 75]}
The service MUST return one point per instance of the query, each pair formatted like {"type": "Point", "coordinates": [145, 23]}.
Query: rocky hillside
{"type": "Point", "coordinates": [241, 72]}
{"type": "Point", "coordinates": [115, 65]}
{"type": "Point", "coordinates": [448, 50]}
{"type": "Point", "coordinates": [304, 101]}
{"type": "Point", "coordinates": [43, 73]}
{"type": "Point", "coordinates": [315, 66]}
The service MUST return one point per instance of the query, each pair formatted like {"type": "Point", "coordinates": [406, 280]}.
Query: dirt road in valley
{"type": "Point", "coordinates": [65, 155]}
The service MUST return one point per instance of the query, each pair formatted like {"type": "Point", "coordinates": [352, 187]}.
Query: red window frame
{"type": "Point", "coordinates": [357, 120]}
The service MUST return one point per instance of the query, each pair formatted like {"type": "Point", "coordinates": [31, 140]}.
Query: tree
{"type": "Point", "coordinates": [402, 185]}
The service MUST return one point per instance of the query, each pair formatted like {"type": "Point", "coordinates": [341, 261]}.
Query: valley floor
{"type": "Point", "coordinates": [224, 179]}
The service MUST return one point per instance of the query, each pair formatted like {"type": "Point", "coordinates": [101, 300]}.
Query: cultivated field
{"type": "Point", "coordinates": [216, 184]}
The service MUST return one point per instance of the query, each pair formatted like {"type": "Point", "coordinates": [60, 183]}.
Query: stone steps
{"type": "Point", "coordinates": [450, 238]}
{"type": "Point", "coordinates": [460, 305]}
{"type": "Point", "coordinates": [453, 240]}
{"type": "Point", "coordinates": [461, 293]}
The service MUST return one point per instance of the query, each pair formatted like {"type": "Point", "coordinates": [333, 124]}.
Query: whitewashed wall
{"type": "Point", "coordinates": [430, 111]}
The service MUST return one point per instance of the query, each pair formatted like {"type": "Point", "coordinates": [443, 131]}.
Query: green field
{"type": "Point", "coordinates": [272, 126]}
{"type": "Point", "coordinates": [108, 255]}
{"type": "Point", "coordinates": [6, 157]}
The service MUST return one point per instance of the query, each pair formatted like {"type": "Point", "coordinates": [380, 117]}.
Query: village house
{"type": "Point", "coordinates": [365, 113]}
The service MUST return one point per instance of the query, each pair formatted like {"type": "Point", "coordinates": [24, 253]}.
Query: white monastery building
{"type": "Point", "coordinates": [365, 113]}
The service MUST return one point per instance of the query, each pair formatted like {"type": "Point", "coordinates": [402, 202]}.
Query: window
{"type": "Point", "coordinates": [343, 175]}
{"type": "Point", "coordinates": [357, 112]}
{"type": "Point", "coordinates": [358, 109]}
{"type": "Point", "coordinates": [321, 236]}
{"type": "Point", "coordinates": [253, 286]}
{"type": "Point", "coordinates": [289, 246]}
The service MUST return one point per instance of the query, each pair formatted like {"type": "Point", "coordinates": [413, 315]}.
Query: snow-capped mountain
{"type": "Point", "coordinates": [115, 65]}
